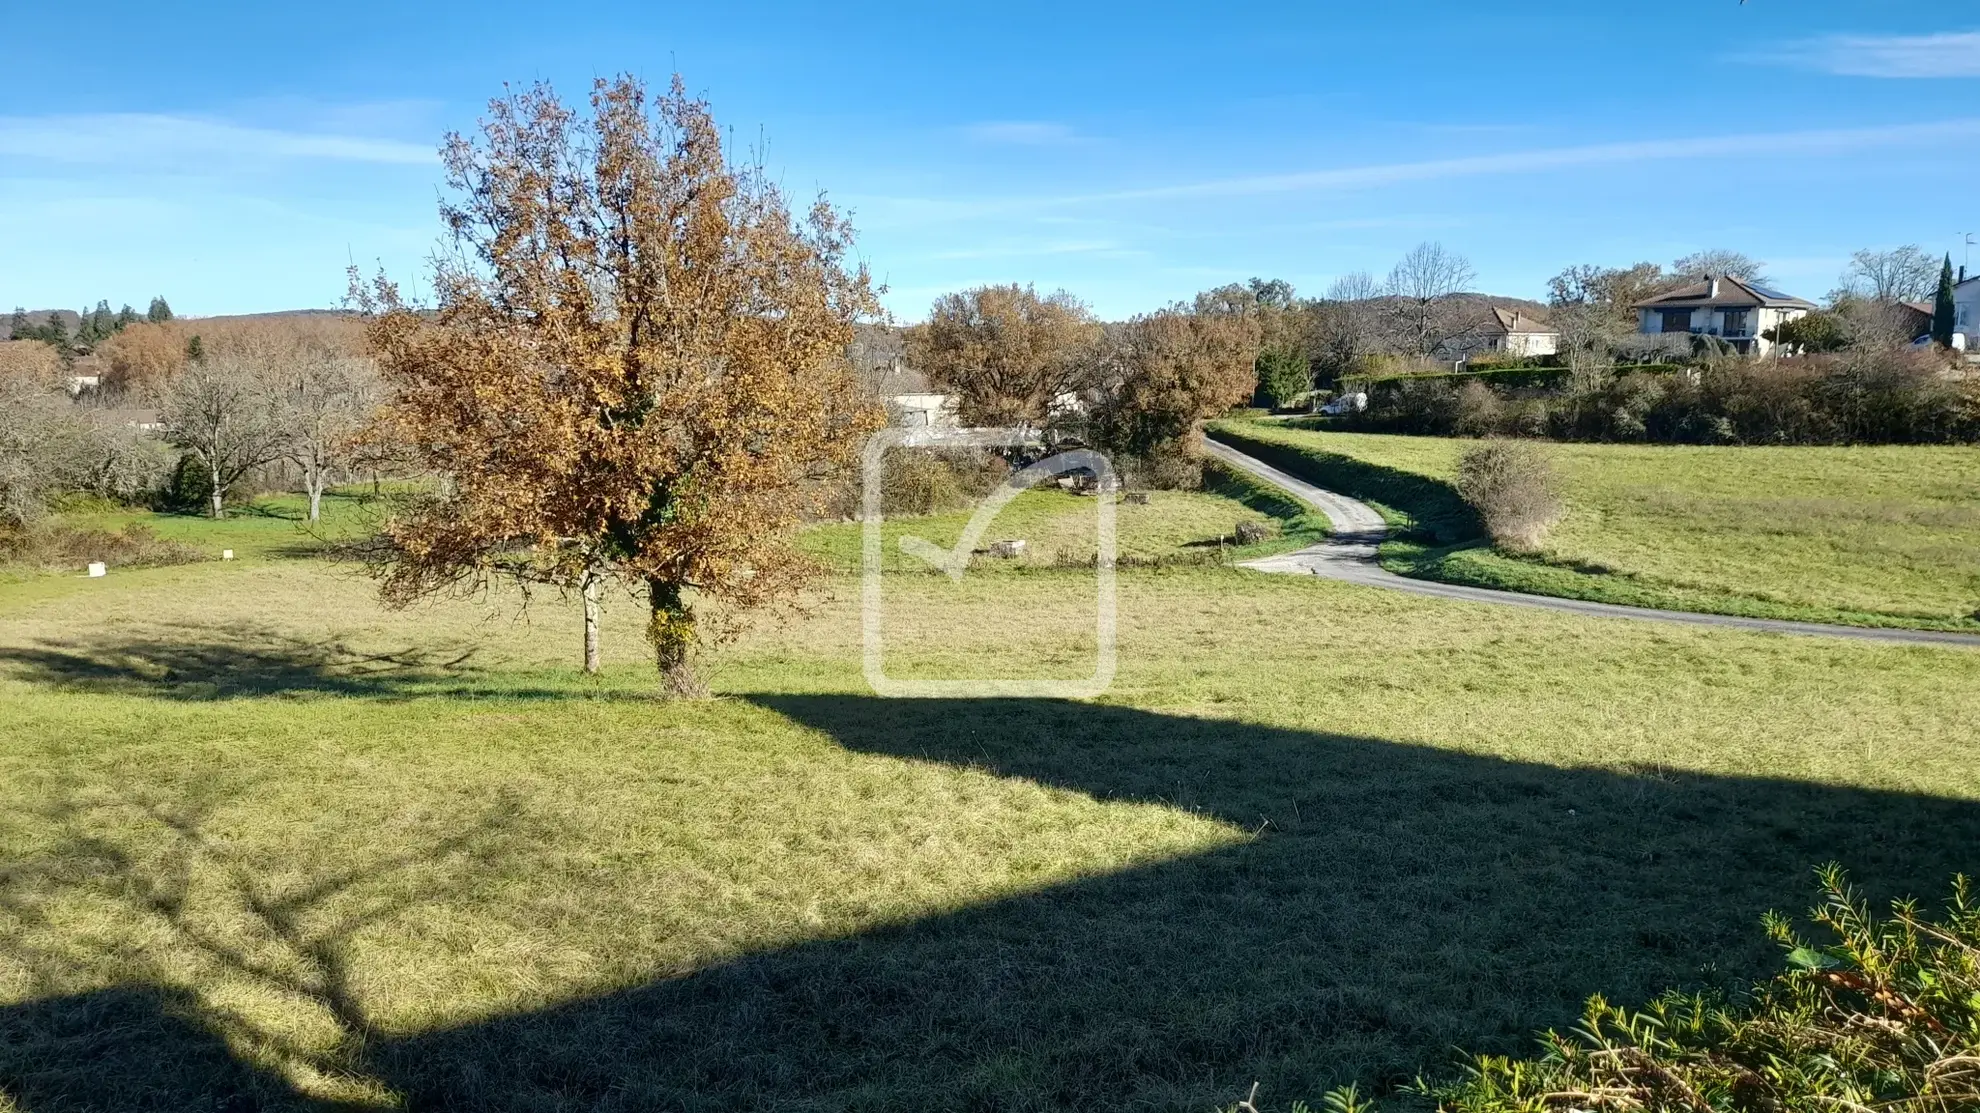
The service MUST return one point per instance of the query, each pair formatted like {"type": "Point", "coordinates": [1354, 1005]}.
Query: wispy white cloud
{"type": "Point", "coordinates": [1769, 145]}
{"type": "Point", "coordinates": [1024, 133]}
{"type": "Point", "coordinates": [135, 140]}
{"type": "Point", "coordinates": [1951, 54]}
{"type": "Point", "coordinates": [1022, 250]}
{"type": "Point", "coordinates": [1772, 144]}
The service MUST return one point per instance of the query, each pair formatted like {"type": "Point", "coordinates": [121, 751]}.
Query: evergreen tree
{"type": "Point", "coordinates": [55, 332]}
{"type": "Point", "coordinates": [195, 351]}
{"type": "Point", "coordinates": [159, 311]}
{"type": "Point", "coordinates": [1942, 308]}
{"type": "Point", "coordinates": [18, 328]}
{"type": "Point", "coordinates": [102, 322]}
{"type": "Point", "coordinates": [126, 316]}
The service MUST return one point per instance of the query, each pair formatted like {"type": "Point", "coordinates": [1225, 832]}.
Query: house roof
{"type": "Point", "coordinates": [1519, 322]}
{"type": "Point", "coordinates": [1733, 294]}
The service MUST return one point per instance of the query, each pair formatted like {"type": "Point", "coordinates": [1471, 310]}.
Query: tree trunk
{"type": "Point", "coordinates": [315, 485]}
{"type": "Point", "coordinates": [219, 495]}
{"type": "Point", "coordinates": [670, 630]}
{"type": "Point", "coordinates": [590, 592]}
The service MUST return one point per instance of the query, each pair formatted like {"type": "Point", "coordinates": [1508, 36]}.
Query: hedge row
{"type": "Point", "coordinates": [1508, 378]}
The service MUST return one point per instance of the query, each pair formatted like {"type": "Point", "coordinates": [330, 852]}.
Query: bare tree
{"type": "Point", "coordinates": [320, 401]}
{"type": "Point", "coordinates": [42, 449]}
{"type": "Point", "coordinates": [1901, 274]}
{"type": "Point", "coordinates": [1423, 285]}
{"type": "Point", "coordinates": [1718, 262]}
{"type": "Point", "coordinates": [1345, 325]}
{"type": "Point", "coordinates": [218, 410]}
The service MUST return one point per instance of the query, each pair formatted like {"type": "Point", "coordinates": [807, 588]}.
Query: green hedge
{"type": "Point", "coordinates": [1506, 378]}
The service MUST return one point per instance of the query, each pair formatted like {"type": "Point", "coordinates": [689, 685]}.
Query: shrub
{"type": "Point", "coordinates": [1886, 1017]}
{"type": "Point", "coordinates": [1480, 413]}
{"type": "Point", "coordinates": [190, 488]}
{"type": "Point", "coordinates": [923, 481]}
{"type": "Point", "coordinates": [1160, 471]}
{"type": "Point", "coordinates": [1511, 486]}
{"type": "Point", "coordinates": [1283, 375]}
{"type": "Point", "coordinates": [68, 548]}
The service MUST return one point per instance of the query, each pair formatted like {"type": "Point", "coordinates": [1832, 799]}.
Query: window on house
{"type": "Point", "coordinates": [1677, 320]}
{"type": "Point", "coordinates": [1736, 321]}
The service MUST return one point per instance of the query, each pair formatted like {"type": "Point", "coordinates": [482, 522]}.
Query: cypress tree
{"type": "Point", "coordinates": [18, 328]}
{"type": "Point", "coordinates": [126, 316]}
{"type": "Point", "coordinates": [1942, 308]}
{"type": "Point", "coordinates": [159, 311]}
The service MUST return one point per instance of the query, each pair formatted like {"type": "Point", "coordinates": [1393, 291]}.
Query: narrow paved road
{"type": "Point", "coordinates": [1350, 555]}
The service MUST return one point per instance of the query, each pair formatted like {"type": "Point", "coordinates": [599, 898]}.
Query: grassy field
{"type": "Point", "coordinates": [266, 845]}
{"type": "Point", "coordinates": [1172, 528]}
{"type": "Point", "coordinates": [1878, 536]}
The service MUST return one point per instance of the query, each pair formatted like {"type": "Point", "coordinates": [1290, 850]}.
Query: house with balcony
{"type": "Point", "coordinates": [1738, 312]}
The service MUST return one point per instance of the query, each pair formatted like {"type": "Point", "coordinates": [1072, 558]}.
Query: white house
{"type": "Point", "coordinates": [1516, 332]}
{"type": "Point", "coordinates": [1739, 313]}
{"type": "Point", "coordinates": [1966, 310]}
{"type": "Point", "coordinates": [922, 409]}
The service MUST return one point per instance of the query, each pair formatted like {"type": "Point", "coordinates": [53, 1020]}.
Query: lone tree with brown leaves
{"type": "Point", "coordinates": [1007, 354]}
{"type": "Point", "coordinates": [635, 369]}
{"type": "Point", "coordinates": [1165, 372]}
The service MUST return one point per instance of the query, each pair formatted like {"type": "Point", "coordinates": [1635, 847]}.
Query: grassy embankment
{"type": "Point", "coordinates": [262, 842]}
{"type": "Point", "coordinates": [1870, 536]}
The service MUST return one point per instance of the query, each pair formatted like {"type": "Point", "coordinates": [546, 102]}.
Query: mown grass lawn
{"type": "Point", "coordinates": [263, 843]}
{"type": "Point", "coordinates": [1059, 529]}
{"type": "Point", "coordinates": [1885, 535]}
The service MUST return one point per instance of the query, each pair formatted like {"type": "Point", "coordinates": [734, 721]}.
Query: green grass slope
{"type": "Point", "coordinates": [1873, 536]}
{"type": "Point", "coordinates": [264, 844]}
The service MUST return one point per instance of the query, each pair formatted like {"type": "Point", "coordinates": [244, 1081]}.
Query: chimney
{"type": "Point", "coordinates": [1962, 274]}
{"type": "Point", "coordinates": [1516, 316]}
{"type": "Point", "coordinates": [1712, 288]}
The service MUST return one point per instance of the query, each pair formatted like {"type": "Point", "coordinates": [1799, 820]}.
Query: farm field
{"type": "Point", "coordinates": [1876, 536]}
{"type": "Point", "coordinates": [263, 840]}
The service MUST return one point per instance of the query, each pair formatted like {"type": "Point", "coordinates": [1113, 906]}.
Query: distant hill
{"type": "Point", "coordinates": [38, 318]}
{"type": "Point", "coordinates": [71, 320]}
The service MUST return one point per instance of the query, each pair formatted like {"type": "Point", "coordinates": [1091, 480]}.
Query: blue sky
{"type": "Point", "coordinates": [234, 157]}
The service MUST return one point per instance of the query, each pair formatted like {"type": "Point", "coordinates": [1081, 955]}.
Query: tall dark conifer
{"type": "Point", "coordinates": [1942, 308]}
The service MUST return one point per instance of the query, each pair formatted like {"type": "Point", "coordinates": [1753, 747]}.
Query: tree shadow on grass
{"type": "Point", "coordinates": [187, 934]}
{"type": "Point", "coordinates": [1392, 902]}
{"type": "Point", "coordinates": [1379, 904]}
{"type": "Point", "coordinates": [190, 663]}
{"type": "Point", "coordinates": [187, 662]}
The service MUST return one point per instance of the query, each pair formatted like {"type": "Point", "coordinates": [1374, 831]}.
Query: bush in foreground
{"type": "Point", "coordinates": [1886, 1018]}
{"type": "Point", "coordinates": [1512, 487]}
